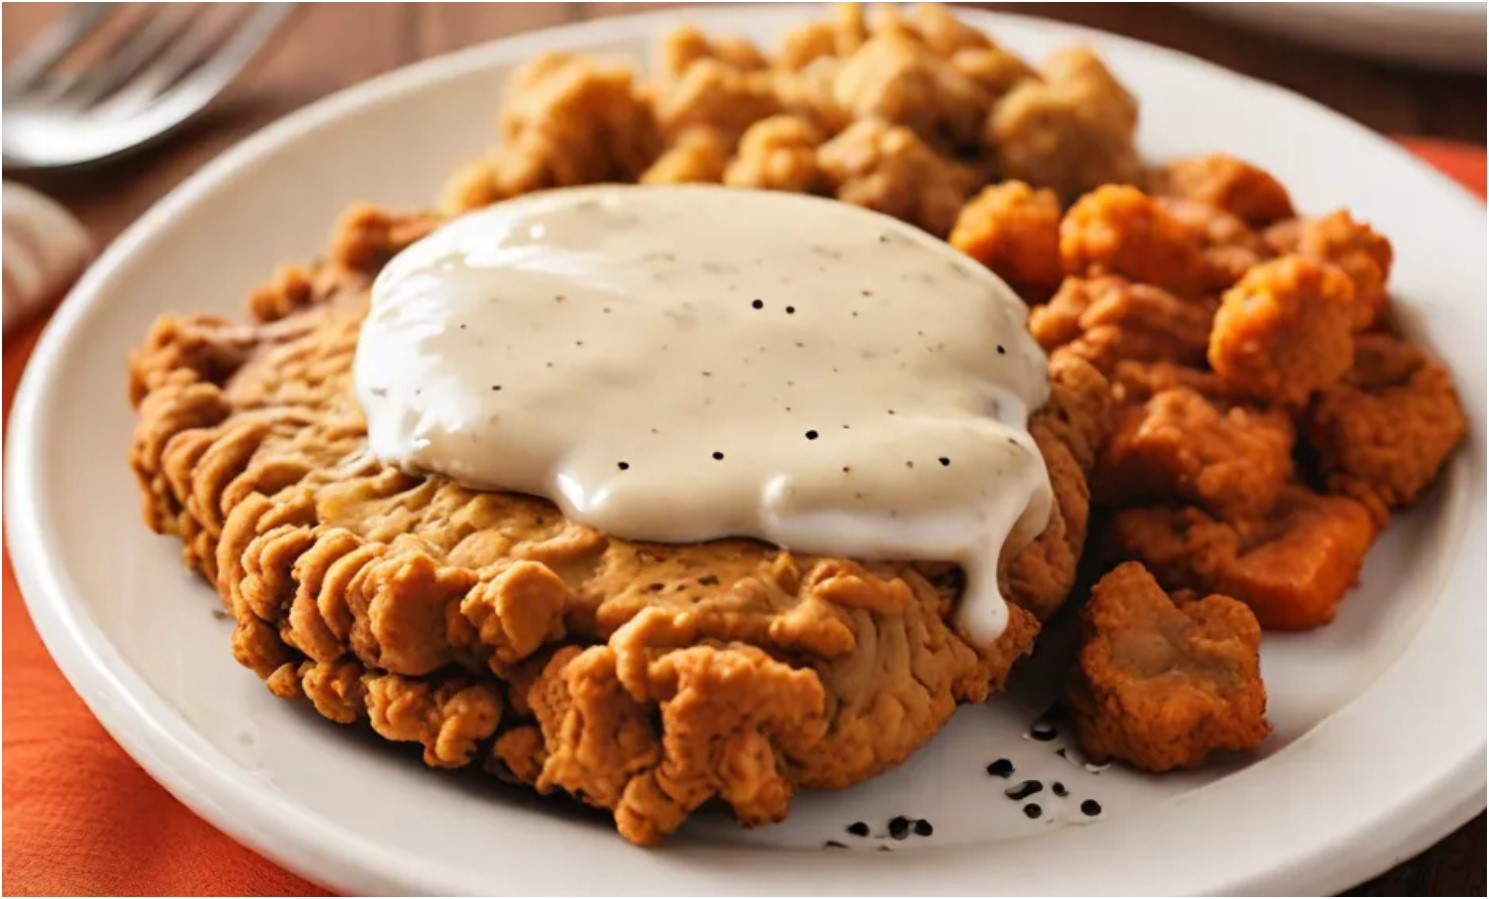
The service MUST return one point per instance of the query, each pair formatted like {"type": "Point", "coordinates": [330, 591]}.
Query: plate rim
{"type": "Point", "coordinates": [314, 846]}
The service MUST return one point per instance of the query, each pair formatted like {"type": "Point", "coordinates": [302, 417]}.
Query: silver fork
{"type": "Point", "coordinates": [168, 62]}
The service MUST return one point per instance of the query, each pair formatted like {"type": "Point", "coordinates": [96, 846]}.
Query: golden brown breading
{"type": "Point", "coordinates": [1108, 319]}
{"type": "Point", "coordinates": [1178, 445]}
{"type": "Point", "coordinates": [411, 603]}
{"type": "Point", "coordinates": [685, 45]}
{"type": "Point", "coordinates": [698, 156]}
{"type": "Point", "coordinates": [1068, 430]}
{"type": "Point", "coordinates": [565, 120]}
{"type": "Point", "coordinates": [842, 33]}
{"type": "Point", "coordinates": [896, 79]}
{"type": "Point", "coordinates": [1071, 130]}
{"type": "Point", "coordinates": [1119, 230]}
{"type": "Point", "coordinates": [1134, 381]}
{"type": "Point", "coordinates": [1225, 183]}
{"type": "Point", "coordinates": [1162, 685]}
{"type": "Point", "coordinates": [712, 94]}
{"type": "Point", "coordinates": [1015, 231]}
{"type": "Point", "coordinates": [1352, 246]}
{"type": "Point", "coordinates": [1291, 568]}
{"type": "Point", "coordinates": [778, 153]}
{"type": "Point", "coordinates": [1284, 331]}
{"type": "Point", "coordinates": [887, 168]}
{"type": "Point", "coordinates": [1383, 433]}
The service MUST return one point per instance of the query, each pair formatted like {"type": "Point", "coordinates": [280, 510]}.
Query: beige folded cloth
{"type": "Point", "coordinates": [44, 249]}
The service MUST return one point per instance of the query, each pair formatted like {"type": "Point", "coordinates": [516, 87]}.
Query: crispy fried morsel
{"type": "Point", "coordinates": [1364, 255]}
{"type": "Point", "coordinates": [943, 33]}
{"type": "Point", "coordinates": [698, 156]}
{"type": "Point", "coordinates": [895, 79]}
{"type": "Point", "coordinates": [1383, 433]}
{"type": "Point", "coordinates": [1291, 568]}
{"type": "Point", "coordinates": [1161, 685]}
{"type": "Point", "coordinates": [1119, 230]}
{"type": "Point", "coordinates": [1228, 246]}
{"type": "Point", "coordinates": [1225, 183]}
{"type": "Point", "coordinates": [1283, 332]}
{"type": "Point", "coordinates": [1069, 429]}
{"type": "Point", "coordinates": [889, 169]}
{"type": "Point", "coordinates": [778, 153]}
{"type": "Point", "coordinates": [1136, 382]}
{"type": "Point", "coordinates": [840, 35]}
{"type": "Point", "coordinates": [1071, 131]}
{"type": "Point", "coordinates": [685, 45]}
{"type": "Point", "coordinates": [564, 121]}
{"type": "Point", "coordinates": [808, 95]}
{"type": "Point", "coordinates": [1015, 231]}
{"type": "Point", "coordinates": [715, 95]}
{"type": "Point", "coordinates": [1179, 445]}
{"type": "Point", "coordinates": [1105, 320]}
{"type": "Point", "coordinates": [994, 69]}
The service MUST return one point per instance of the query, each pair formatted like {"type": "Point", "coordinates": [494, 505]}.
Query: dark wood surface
{"type": "Point", "coordinates": [327, 47]}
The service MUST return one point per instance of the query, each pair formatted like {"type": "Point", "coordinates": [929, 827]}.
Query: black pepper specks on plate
{"type": "Point", "coordinates": [1059, 789]}
{"type": "Point", "coordinates": [1024, 789]}
{"type": "Point", "coordinates": [1033, 810]}
{"type": "Point", "coordinates": [859, 828]}
{"type": "Point", "coordinates": [1000, 768]}
{"type": "Point", "coordinates": [1090, 808]}
{"type": "Point", "coordinates": [899, 827]}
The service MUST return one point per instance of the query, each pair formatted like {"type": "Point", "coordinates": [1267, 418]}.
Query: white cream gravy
{"type": "Point", "coordinates": [690, 363]}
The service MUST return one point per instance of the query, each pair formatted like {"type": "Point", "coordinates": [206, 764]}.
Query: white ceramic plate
{"type": "Point", "coordinates": [1380, 718]}
{"type": "Point", "coordinates": [1434, 35]}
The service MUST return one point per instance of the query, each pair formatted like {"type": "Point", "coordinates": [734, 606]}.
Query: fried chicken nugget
{"type": "Point", "coordinates": [896, 79]}
{"type": "Point", "coordinates": [1105, 320]}
{"type": "Point", "coordinates": [1352, 246]}
{"type": "Point", "coordinates": [1284, 331]}
{"type": "Point", "coordinates": [1385, 431]}
{"type": "Point", "coordinates": [889, 169]}
{"type": "Point", "coordinates": [1161, 685]}
{"type": "Point", "coordinates": [778, 153]}
{"type": "Point", "coordinates": [698, 156]}
{"type": "Point", "coordinates": [1291, 568]}
{"type": "Point", "coordinates": [1119, 230]}
{"type": "Point", "coordinates": [565, 120]}
{"type": "Point", "coordinates": [1071, 130]}
{"type": "Point", "coordinates": [1232, 462]}
{"type": "Point", "coordinates": [1014, 230]}
{"type": "Point", "coordinates": [1134, 381]}
{"type": "Point", "coordinates": [1228, 246]}
{"type": "Point", "coordinates": [712, 94]}
{"type": "Point", "coordinates": [1225, 183]}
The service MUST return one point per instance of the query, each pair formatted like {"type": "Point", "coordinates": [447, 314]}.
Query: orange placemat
{"type": "Point", "coordinates": [80, 817]}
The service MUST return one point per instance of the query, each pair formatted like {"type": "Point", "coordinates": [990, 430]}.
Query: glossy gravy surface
{"type": "Point", "coordinates": [690, 363]}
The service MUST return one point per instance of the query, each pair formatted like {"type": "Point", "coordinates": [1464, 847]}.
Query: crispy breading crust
{"type": "Point", "coordinates": [738, 670]}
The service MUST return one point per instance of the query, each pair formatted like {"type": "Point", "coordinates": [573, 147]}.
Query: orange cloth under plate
{"type": "Point", "coordinates": [80, 817]}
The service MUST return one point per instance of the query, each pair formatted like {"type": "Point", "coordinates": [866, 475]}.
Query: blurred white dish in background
{"type": "Point", "coordinates": [1434, 35]}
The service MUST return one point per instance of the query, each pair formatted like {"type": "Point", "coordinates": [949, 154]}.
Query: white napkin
{"type": "Point", "coordinates": [44, 249]}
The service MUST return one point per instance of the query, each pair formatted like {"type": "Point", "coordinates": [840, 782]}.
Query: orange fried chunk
{"type": "Point", "coordinates": [1070, 130]}
{"type": "Point", "coordinates": [1226, 183]}
{"type": "Point", "coordinates": [1228, 246]}
{"type": "Point", "coordinates": [1384, 432]}
{"type": "Point", "coordinates": [1014, 230]}
{"type": "Point", "coordinates": [1161, 685]}
{"type": "Point", "coordinates": [1134, 381]}
{"type": "Point", "coordinates": [1283, 332]}
{"type": "Point", "coordinates": [1108, 319]}
{"type": "Point", "coordinates": [1177, 444]}
{"type": "Point", "coordinates": [1119, 230]}
{"type": "Point", "coordinates": [1291, 568]}
{"type": "Point", "coordinates": [1361, 253]}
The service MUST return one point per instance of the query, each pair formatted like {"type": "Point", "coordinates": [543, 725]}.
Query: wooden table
{"type": "Point", "coordinates": [328, 47]}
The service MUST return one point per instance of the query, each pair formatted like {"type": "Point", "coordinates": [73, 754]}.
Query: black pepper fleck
{"type": "Point", "coordinates": [1090, 808]}
{"type": "Point", "coordinates": [945, 461]}
{"type": "Point", "coordinates": [923, 828]}
{"type": "Point", "coordinates": [858, 829]}
{"type": "Point", "coordinates": [1043, 731]}
{"type": "Point", "coordinates": [1000, 768]}
{"type": "Point", "coordinates": [623, 465]}
{"type": "Point", "coordinates": [1032, 810]}
{"type": "Point", "coordinates": [790, 310]}
{"type": "Point", "coordinates": [1059, 789]}
{"type": "Point", "coordinates": [811, 435]}
{"type": "Point", "coordinates": [757, 304]}
{"type": "Point", "coordinates": [1001, 349]}
{"type": "Point", "coordinates": [1024, 789]}
{"type": "Point", "coordinates": [718, 455]}
{"type": "Point", "coordinates": [899, 827]}
{"type": "Point", "coordinates": [496, 387]}
{"type": "Point", "coordinates": [834, 844]}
